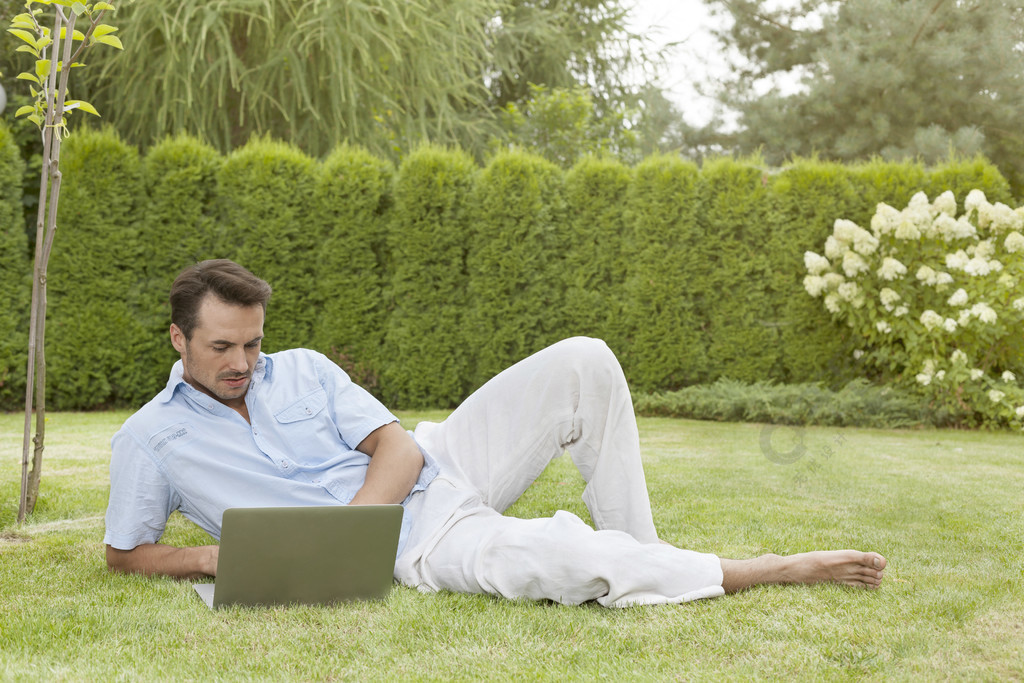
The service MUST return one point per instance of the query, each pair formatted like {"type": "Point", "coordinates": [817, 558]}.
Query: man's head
{"type": "Point", "coordinates": [226, 280]}
{"type": "Point", "coordinates": [217, 311]}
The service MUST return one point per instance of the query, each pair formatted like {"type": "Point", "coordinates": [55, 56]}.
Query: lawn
{"type": "Point", "coordinates": [945, 507]}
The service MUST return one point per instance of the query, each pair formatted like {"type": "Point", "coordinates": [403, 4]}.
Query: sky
{"type": "Point", "coordinates": [695, 57]}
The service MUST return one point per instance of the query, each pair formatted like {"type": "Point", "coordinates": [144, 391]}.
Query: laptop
{"type": "Point", "coordinates": [305, 555]}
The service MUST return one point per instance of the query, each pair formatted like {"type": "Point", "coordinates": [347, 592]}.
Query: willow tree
{"type": "Point", "coordinates": [55, 53]}
{"type": "Point", "coordinates": [385, 75]}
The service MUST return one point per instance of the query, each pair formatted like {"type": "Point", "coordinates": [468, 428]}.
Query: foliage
{"type": "Point", "coordinates": [899, 78]}
{"type": "Point", "coordinates": [95, 331]}
{"type": "Point", "coordinates": [351, 203]}
{"type": "Point", "coordinates": [266, 191]}
{"type": "Point", "coordinates": [935, 298]}
{"type": "Point", "coordinates": [561, 125]}
{"type": "Point", "coordinates": [514, 261]}
{"type": "Point", "coordinates": [428, 359]}
{"type": "Point", "coordinates": [15, 283]}
{"type": "Point", "coordinates": [664, 347]}
{"type": "Point", "coordinates": [857, 404]}
{"type": "Point", "coordinates": [598, 261]}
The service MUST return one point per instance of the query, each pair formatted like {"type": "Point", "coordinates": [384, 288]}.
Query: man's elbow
{"type": "Point", "coordinates": [118, 560]}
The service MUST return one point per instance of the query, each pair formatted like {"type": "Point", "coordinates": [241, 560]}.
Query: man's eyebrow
{"type": "Point", "coordinates": [225, 342]}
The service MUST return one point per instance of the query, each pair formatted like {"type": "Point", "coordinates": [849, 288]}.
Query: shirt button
{"type": "Point", "coordinates": [284, 464]}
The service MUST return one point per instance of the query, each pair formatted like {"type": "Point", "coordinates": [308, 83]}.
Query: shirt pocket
{"type": "Point", "coordinates": [305, 408]}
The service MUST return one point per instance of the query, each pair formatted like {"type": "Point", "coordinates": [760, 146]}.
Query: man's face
{"type": "Point", "coordinates": [225, 344]}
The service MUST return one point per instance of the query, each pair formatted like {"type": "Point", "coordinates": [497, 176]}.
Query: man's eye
{"type": "Point", "coordinates": [220, 349]}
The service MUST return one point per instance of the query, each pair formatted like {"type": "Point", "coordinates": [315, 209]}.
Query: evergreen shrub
{"type": "Point", "coordinates": [93, 335]}
{"type": "Point", "coordinates": [664, 346]}
{"type": "Point", "coordinates": [514, 262]}
{"type": "Point", "coordinates": [739, 312]}
{"type": "Point", "coordinates": [351, 208]}
{"type": "Point", "coordinates": [180, 218]}
{"type": "Point", "coordinates": [596, 264]}
{"type": "Point", "coordinates": [856, 404]}
{"type": "Point", "coordinates": [428, 357]}
{"type": "Point", "coordinates": [15, 276]}
{"type": "Point", "coordinates": [266, 212]}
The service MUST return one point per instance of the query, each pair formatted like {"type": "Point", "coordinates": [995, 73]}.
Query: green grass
{"type": "Point", "coordinates": [946, 508]}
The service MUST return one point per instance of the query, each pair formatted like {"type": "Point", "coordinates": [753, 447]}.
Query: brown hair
{"type": "Point", "coordinates": [228, 281]}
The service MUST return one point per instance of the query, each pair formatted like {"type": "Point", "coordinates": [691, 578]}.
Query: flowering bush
{"type": "Point", "coordinates": [937, 299]}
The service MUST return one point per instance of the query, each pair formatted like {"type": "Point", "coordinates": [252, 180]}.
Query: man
{"type": "Point", "coordinates": [238, 428]}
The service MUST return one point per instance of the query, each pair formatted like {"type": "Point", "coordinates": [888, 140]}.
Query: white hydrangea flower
{"type": "Point", "coordinates": [923, 379]}
{"type": "Point", "coordinates": [975, 198]}
{"type": "Point", "coordinates": [940, 375]}
{"type": "Point", "coordinates": [833, 280]}
{"type": "Point", "coordinates": [976, 374]}
{"type": "Point", "coordinates": [984, 313]}
{"type": "Point", "coordinates": [1020, 412]}
{"type": "Point", "coordinates": [815, 263]}
{"type": "Point", "coordinates": [858, 354]}
{"type": "Point", "coordinates": [832, 302]}
{"type": "Point", "coordinates": [985, 249]}
{"type": "Point", "coordinates": [958, 357]}
{"type": "Point", "coordinates": [834, 249]}
{"type": "Point", "coordinates": [947, 227]}
{"type": "Point", "coordinates": [930, 319]}
{"type": "Point", "coordinates": [943, 279]}
{"type": "Point", "coordinates": [1009, 376]}
{"type": "Point", "coordinates": [891, 269]}
{"type": "Point", "coordinates": [1018, 304]}
{"type": "Point", "coordinates": [901, 311]}
{"type": "Point", "coordinates": [885, 220]}
{"type": "Point", "coordinates": [845, 231]}
{"type": "Point", "coordinates": [888, 298]}
{"type": "Point", "coordinates": [945, 203]}
{"type": "Point", "coordinates": [927, 275]}
{"type": "Point", "coordinates": [864, 243]}
{"type": "Point", "coordinates": [854, 263]}
{"type": "Point", "coordinates": [919, 201]}
{"type": "Point", "coordinates": [949, 325]}
{"type": "Point", "coordinates": [964, 317]}
{"type": "Point", "coordinates": [998, 217]}
{"type": "Point", "coordinates": [814, 284]}
{"type": "Point", "coordinates": [964, 229]}
{"type": "Point", "coordinates": [959, 298]}
{"type": "Point", "coordinates": [907, 229]}
{"type": "Point", "coordinates": [996, 396]}
{"type": "Point", "coordinates": [955, 261]}
{"type": "Point", "coordinates": [849, 291]}
{"type": "Point", "coordinates": [883, 327]}
{"type": "Point", "coordinates": [1007, 280]}
{"type": "Point", "coordinates": [1014, 242]}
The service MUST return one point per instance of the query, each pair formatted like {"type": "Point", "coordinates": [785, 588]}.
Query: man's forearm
{"type": "Point", "coordinates": [166, 560]}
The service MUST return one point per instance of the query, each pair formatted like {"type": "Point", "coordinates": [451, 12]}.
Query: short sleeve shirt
{"type": "Point", "coordinates": [186, 451]}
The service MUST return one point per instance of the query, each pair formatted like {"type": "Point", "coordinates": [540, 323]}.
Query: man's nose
{"type": "Point", "coordinates": [237, 360]}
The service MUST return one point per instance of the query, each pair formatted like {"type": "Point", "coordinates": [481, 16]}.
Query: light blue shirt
{"type": "Point", "coordinates": [186, 451]}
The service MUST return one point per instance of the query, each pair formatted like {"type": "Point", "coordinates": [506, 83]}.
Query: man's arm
{"type": "Point", "coordinates": [395, 464]}
{"type": "Point", "coordinates": [156, 558]}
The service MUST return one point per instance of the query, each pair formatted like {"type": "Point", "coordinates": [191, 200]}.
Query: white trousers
{"type": "Point", "coordinates": [571, 396]}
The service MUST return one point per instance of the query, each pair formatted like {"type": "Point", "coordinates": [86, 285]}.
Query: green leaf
{"type": "Point", "coordinates": [36, 120]}
{"type": "Point", "coordinates": [79, 9]}
{"type": "Point", "coordinates": [103, 5]}
{"type": "Point", "coordinates": [104, 29]}
{"type": "Point", "coordinates": [27, 109]}
{"type": "Point", "coordinates": [26, 48]}
{"type": "Point", "coordinates": [83, 105]}
{"type": "Point", "coordinates": [75, 35]}
{"type": "Point", "coordinates": [24, 35]}
{"type": "Point", "coordinates": [113, 41]}
{"type": "Point", "coordinates": [26, 76]}
{"type": "Point", "coordinates": [42, 68]}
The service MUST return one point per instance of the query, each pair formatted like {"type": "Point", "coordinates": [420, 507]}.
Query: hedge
{"type": "Point", "coordinates": [424, 282]}
{"type": "Point", "coordinates": [428, 358]}
{"type": "Point", "coordinates": [15, 275]}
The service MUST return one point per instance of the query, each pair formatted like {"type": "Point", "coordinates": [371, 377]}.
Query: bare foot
{"type": "Point", "coordinates": [848, 567]}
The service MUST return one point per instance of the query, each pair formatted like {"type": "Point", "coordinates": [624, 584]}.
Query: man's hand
{"type": "Point", "coordinates": [165, 560]}
{"type": "Point", "coordinates": [395, 464]}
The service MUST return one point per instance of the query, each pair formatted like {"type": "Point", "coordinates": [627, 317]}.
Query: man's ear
{"type": "Point", "coordinates": [178, 339]}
